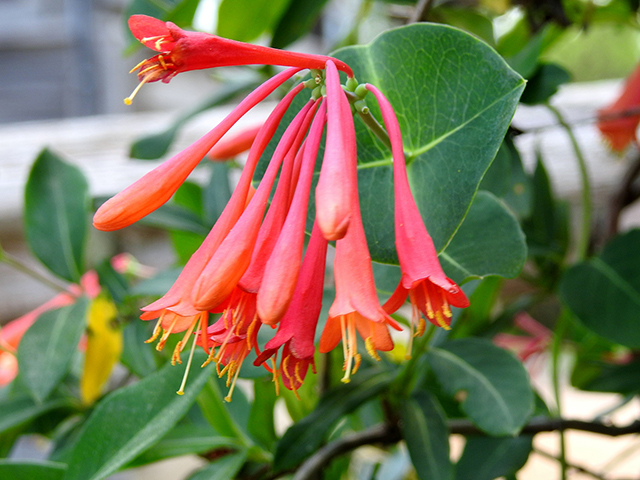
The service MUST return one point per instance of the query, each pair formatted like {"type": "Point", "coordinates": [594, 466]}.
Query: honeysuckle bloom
{"type": "Point", "coordinates": [524, 347]}
{"type": "Point", "coordinates": [181, 51]}
{"type": "Point", "coordinates": [335, 188]}
{"type": "Point", "coordinates": [297, 328]}
{"type": "Point", "coordinates": [430, 291]}
{"type": "Point", "coordinates": [619, 121]}
{"type": "Point", "coordinates": [175, 310]}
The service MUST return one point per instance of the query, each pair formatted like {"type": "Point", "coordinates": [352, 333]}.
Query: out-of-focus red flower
{"type": "Point", "coordinates": [525, 346]}
{"type": "Point", "coordinates": [12, 332]}
{"type": "Point", "coordinates": [233, 145]}
{"type": "Point", "coordinates": [619, 121]}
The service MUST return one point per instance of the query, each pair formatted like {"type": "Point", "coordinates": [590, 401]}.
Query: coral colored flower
{"type": "Point", "coordinates": [175, 310]}
{"type": "Point", "coordinates": [156, 187]}
{"type": "Point", "coordinates": [429, 289]}
{"type": "Point", "coordinates": [335, 189]}
{"type": "Point", "coordinates": [181, 51]}
{"type": "Point", "coordinates": [232, 146]}
{"type": "Point", "coordinates": [297, 328]}
{"type": "Point", "coordinates": [617, 122]}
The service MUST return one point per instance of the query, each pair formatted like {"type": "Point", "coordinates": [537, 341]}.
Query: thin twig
{"type": "Point", "coordinates": [8, 259]}
{"type": "Point", "coordinates": [387, 434]}
{"type": "Point", "coordinates": [572, 466]}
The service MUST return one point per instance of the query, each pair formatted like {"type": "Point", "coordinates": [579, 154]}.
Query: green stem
{"type": "Point", "coordinates": [404, 382]}
{"type": "Point", "coordinates": [585, 226]}
{"type": "Point", "coordinates": [377, 129]}
{"type": "Point", "coordinates": [556, 351]}
{"type": "Point", "coordinates": [13, 262]}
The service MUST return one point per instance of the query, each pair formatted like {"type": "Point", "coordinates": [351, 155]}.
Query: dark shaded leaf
{"type": "Point", "coordinates": [55, 215]}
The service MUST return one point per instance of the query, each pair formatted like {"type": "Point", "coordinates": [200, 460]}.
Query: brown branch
{"type": "Point", "coordinates": [387, 434]}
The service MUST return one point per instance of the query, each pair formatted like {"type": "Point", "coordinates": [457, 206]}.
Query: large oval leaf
{"type": "Point", "coordinates": [493, 384]}
{"type": "Point", "coordinates": [486, 458]}
{"type": "Point", "coordinates": [604, 292]}
{"type": "Point", "coordinates": [55, 214]}
{"type": "Point", "coordinates": [487, 229]}
{"type": "Point", "coordinates": [131, 419]}
{"type": "Point", "coordinates": [454, 98]}
{"type": "Point", "coordinates": [47, 348]}
{"type": "Point", "coordinates": [425, 430]}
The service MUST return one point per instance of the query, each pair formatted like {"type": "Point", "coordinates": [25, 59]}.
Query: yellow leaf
{"type": "Point", "coordinates": [104, 345]}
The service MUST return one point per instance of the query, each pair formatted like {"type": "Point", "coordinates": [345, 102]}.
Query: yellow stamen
{"type": "Point", "coordinates": [441, 321]}
{"type": "Point", "coordinates": [275, 374]}
{"type": "Point", "coordinates": [356, 363]}
{"type": "Point", "coordinates": [156, 330]}
{"type": "Point", "coordinates": [186, 370]}
{"type": "Point", "coordinates": [166, 334]}
{"type": "Point", "coordinates": [138, 66]}
{"type": "Point", "coordinates": [129, 99]}
{"type": "Point", "coordinates": [422, 326]}
{"type": "Point", "coordinates": [233, 384]}
{"type": "Point", "coordinates": [371, 349]}
{"type": "Point", "coordinates": [297, 372]}
{"type": "Point", "coordinates": [180, 345]}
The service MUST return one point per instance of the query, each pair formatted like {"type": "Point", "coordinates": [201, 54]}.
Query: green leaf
{"type": "Point", "coordinates": [604, 292]}
{"type": "Point", "coordinates": [24, 470]}
{"type": "Point", "coordinates": [507, 180]}
{"type": "Point", "coordinates": [184, 440]}
{"type": "Point", "coordinates": [246, 20]}
{"type": "Point", "coordinates": [21, 409]}
{"type": "Point", "coordinates": [137, 356]}
{"type": "Point", "coordinates": [623, 379]}
{"type": "Point", "coordinates": [131, 419]}
{"type": "Point", "coordinates": [452, 120]}
{"type": "Point", "coordinates": [486, 458]}
{"type": "Point", "coordinates": [297, 20]}
{"type": "Point", "coordinates": [155, 145]}
{"type": "Point", "coordinates": [55, 215]}
{"type": "Point", "coordinates": [190, 197]}
{"type": "Point", "coordinates": [222, 469]}
{"type": "Point", "coordinates": [261, 418]}
{"type": "Point", "coordinates": [47, 348]}
{"type": "Point", "coordinates": [217, 192]}
{"type": "Point", "coordinates": [427, 436]}
{"type": "Point", "coordinates": [489, 242]}
{"type": "Point", "coordinates": [175, 217]}
{"type": "Point", "coordinates": [304, 437]}
{"type": "Point", "coordinates": [544, 83]}
{"type": "Point", "coordinates": [492, 385]}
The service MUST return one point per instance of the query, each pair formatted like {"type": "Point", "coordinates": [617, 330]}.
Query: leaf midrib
{"type": "Point", "coordinates": [474, 373]}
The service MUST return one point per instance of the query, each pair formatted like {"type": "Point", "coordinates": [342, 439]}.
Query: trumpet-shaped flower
{"type": "Point", "coordinates": [231, 147]}
{"type": "Point", "coordinates": [430, 290]}
{"type": "Point", "coordinates": [181, 51]}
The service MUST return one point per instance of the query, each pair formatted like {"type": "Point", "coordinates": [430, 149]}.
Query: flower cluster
{"type": "Point", "coordinates": [252, 268]}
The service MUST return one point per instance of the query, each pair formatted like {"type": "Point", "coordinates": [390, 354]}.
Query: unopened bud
{"type": "Point", "coordinates": [361, 106]}
{"type": "Point", "coordinates": [352, 84]}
